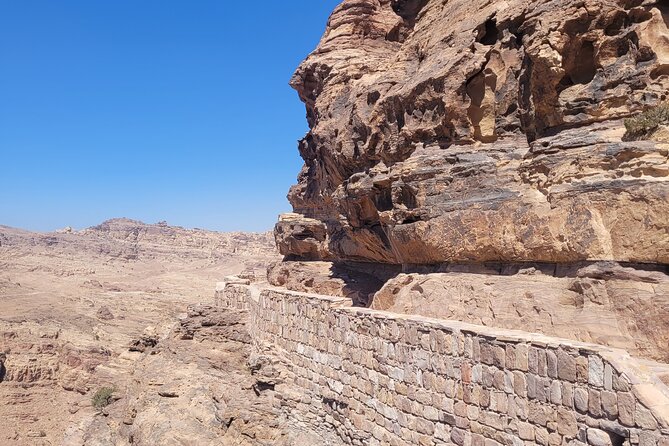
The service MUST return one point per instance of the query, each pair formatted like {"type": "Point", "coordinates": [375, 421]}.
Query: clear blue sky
{"type": "Point", "coordinates": [152, 109]}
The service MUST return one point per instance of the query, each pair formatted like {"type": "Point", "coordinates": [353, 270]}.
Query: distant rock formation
{"type": "Point", "coordinates": [453, 131]}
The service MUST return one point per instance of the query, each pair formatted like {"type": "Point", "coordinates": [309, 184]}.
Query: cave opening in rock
{"type": "Point", "coordinates": [481, 110]}
{"type": "Point", "coordinates": [490, 32]}
{"type": "Point", "coordinates": [383, 199]}
{"type": "Point", "coordinates": [582, 68]}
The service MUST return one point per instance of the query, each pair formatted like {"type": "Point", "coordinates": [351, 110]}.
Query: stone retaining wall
{"type": "Point", "coordinates": [382, 378]}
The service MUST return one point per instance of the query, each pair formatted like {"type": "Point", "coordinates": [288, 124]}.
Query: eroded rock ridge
{"type": "Point", "coordinates": [475, 131]}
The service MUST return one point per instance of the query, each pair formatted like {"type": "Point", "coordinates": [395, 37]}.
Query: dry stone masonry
{"type": "Point", "coordinates": [382, 378]}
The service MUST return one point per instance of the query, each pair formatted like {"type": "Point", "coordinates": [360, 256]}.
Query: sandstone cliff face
{"type": "Point", "coordinates": [602, 304]}
{"type": "Point", "coordinates": [453, 131]}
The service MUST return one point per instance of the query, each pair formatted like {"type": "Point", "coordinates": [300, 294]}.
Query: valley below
{"type": "Point", "coordinates": [121, 306]}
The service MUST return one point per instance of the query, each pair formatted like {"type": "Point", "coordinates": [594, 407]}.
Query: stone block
{"type": "Point", "coordinates": [620, 383]}
{"type": "Point", "coordinates": [644, 418]}
{"type": "Point", "coordinates": [568, 395]}
{"type": "Point", "coordinates": [542, 389]}
{"type": "Point", "coordinates": [462, 423]}
{"type": "Point", "coordinates": [430, 413]}
{"type": "Point", "coordinates": [581, 399]}
{"type": "Point", "coordinates": [499, 357]}
{"type": "Point", "coordinates": [581, 369]}
{"type": "Point", "coordinates": [542, 363]}
{"type": "Point", "coordinates": [648, 438]}
{"type": "Point", "coordinates": [610, 404]}
{"type": "Point", "coordinates": [499, 380]}
{"type": "Point", "coordinates": [556, 392]}
{"type": "Point", "coordinates": [533, 360]}
{"type": "Point", "coordinates": [597, 437]}
{"type": "Point", "coordinates": [478, 440]}
{"type": "Point", "coordinates": [526, 431]}
{"type": "Point", "coordinates": [424, 426]}
{"type": "Point", "coordinates": [554, 439]}
{"type": "Point", "coordinates": [541, 436]}
{"type": "Point", "coordinates": [521, 354]}
{"type": "Point", "coordinates": [537, 415]}
{"type": "Point", "coordinates": [531, 381]}
{"type": "Point", "coordinates": [595, 371]}
{"type": "Point", "coordinates": [594, 403]}
{"type": "Point", "coordinates": [458, 436]}
{"type": "Point", "coordinates": [508, 381]}
{"type": "Point", "coordinates": [519, 384]}
{"type": "Point", "coordinates": [551, 364]}
{"type": "Point", "coordinates": [608, 377]}
{"type": "Point", "coordinates": [566, 364]}
{"type": "Point", "coordinates": [566, 423]}
{"type": "Point", "coordinates": [442, 432]}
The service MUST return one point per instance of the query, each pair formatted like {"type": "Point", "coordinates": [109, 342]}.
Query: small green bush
{"type": "Point", "coordinates": [103, 397]}
{"type": "Point", "coordinates": [646, 122]}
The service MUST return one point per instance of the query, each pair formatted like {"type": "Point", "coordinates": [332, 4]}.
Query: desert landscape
{"type": "Point", "coordinates": [477, 255]}
{"type": "Point", "coordinates": [81, 310]}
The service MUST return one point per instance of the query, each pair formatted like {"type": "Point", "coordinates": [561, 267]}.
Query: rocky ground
{"type": "Point", "coordinates": [107, 307]}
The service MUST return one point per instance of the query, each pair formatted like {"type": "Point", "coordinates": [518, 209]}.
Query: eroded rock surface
{"type": "Point", "coordinates": [602, 304]}
{"type": "Point", "coordinates": [452, 131]}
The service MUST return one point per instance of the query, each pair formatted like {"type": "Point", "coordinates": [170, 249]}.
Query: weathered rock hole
{"type": "Point", "coordinates": [383, 199]}
{"type": "Point", "coordinates": [622, 47]}
{"type": "Point", "coordinates": [512, 109]}
{"type": "Point", "coordinates": [411, 219]}
{"type": "Point", "coordinates": [478, 111]}
{"type": "Point", "coordinates": [662, 70]}
{"type": "Point", "coordinates": [645, 54]}
{"type": "Point", "coordinates": [399, 117]}
{"type": "Point", "coordinates": [639, 15]}
{"type": "Point", "coordinates": [584, 68]}
{"type": "Point", "coordinates": [395, 34]}
{"type": "Point", "coordinates": [373, 97]}
{"type": "Point", "coordinates": [489, 34]}
{"type": "Point", "coordinates": [620, 21]}
{"type": "Point", "coordinates": [577, 26]}
{"type": "Point", "coordinates": [407, 197]}
{"type": "Point", "coordinates": [408, 9]}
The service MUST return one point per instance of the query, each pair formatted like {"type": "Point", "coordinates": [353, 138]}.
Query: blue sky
{"type": "Point", "coordinates": [152, 109]}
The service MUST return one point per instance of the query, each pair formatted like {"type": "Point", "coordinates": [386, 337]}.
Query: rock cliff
{"type": "Point", "coordinates": [476, 131]}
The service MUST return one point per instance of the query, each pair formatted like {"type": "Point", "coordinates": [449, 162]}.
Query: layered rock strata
{"type": "Point", "coordinates": [453, 131]}
{"type": "Point", "coordinates": [602, 303]}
